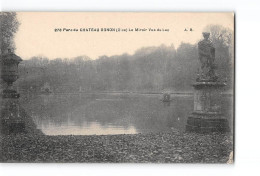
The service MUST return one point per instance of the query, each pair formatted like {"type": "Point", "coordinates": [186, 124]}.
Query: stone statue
{"type": "Point", "coordinates": [206, 57]}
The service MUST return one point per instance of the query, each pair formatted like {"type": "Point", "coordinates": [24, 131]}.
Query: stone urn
{"type": "Point", "coordinates": [9, 73]}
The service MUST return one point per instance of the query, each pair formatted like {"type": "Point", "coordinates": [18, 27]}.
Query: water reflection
{"type": "Point", "coordinates": [92, 128]}
{"type": "Point", "coordinates": [89, 114]}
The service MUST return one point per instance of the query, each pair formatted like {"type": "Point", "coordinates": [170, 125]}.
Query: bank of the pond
{"type": "Point", "coordinates": [171, 147]}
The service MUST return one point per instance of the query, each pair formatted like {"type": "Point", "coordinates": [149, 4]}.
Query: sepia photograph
{"type": "Point", "coordinates": [117, 87]}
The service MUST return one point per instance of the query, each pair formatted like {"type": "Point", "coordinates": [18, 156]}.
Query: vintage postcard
{"type": "Point", "coordinates": [117, 87]}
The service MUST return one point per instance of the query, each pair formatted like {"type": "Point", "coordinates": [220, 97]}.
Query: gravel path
{"type": "Point", "coordinates": [171, 147]}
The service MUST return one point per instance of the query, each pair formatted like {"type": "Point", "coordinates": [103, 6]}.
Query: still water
{"type": "Point", "coordinates": [103, 114]}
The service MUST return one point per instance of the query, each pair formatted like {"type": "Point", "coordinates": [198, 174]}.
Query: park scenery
{"type": "Point", "coordinates": [98, 87]}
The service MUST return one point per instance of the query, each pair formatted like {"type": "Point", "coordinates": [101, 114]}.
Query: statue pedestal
{"type": "Point", "coordinates": [11, 118]}
{"type": "Point", "coordinates": [207, 115]}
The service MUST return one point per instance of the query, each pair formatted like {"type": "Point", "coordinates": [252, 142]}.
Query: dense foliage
{"type": "Point", "coordinates": [8, 27]}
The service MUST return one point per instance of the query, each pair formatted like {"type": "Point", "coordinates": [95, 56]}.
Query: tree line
{"type": "Point", "coordinates": [157, 69]}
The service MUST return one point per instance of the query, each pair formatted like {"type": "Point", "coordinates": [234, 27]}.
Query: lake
{"type": "Point", "coordinates": [111, 113]}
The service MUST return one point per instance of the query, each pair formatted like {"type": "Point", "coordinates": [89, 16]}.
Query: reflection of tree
{"type": "Point", "coordinates": [145, 112]}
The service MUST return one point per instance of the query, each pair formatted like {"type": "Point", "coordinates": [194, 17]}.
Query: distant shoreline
{"type": "Point", "coordinates": [121, 92]}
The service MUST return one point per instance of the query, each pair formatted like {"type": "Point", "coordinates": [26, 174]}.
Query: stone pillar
{"type": "Point", "coordinates": [12, 122]}
{"type": "Point", "coordinates": [207, 115]}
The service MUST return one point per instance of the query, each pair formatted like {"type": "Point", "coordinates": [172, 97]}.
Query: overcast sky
{"type": "Point", "coordinates": [36, 34]}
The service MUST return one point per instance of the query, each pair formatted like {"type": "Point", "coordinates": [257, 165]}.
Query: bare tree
{"type": "Point", "coordinates": [223, 39]}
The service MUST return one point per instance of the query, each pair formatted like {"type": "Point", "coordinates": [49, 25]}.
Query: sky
{"type": "Point", "coordinates": [37, 37]}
